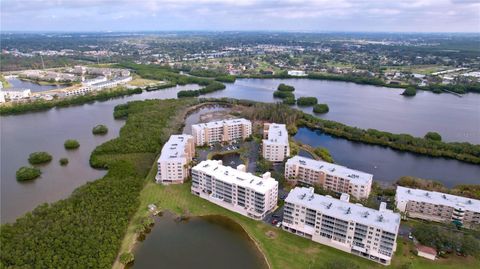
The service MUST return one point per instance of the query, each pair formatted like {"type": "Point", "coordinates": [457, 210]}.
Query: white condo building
{"type": "Point", "coordinates": [173, 163]}
{"type": "Point", "coordinates": [221, 131]}
{"type": "Point", "coordinates": [359, 230]}
{"type": "Point", "coordinates": [437, 206]}
{"type": "Point", "coordinates": [235, 189]}
{"type": "Point", "coordinates": [330, 176]}
{"type": "Point", "coordinates": [275, 146]}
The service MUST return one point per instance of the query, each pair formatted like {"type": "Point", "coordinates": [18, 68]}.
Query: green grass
{"type": "Point", "coordinates": [284, 250]}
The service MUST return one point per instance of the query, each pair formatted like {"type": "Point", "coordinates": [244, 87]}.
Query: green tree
{"type": "Point", "coordinates": [127, 258]}
{"type": "Point", "coordinates": [410, 91]}
{"type": "Point", "coordinates": [63, 161]}
{"type": "Point", "coordinates": [25, 173]}
{"type": "Point", "coordinates": [39, 157]}
{"type": "Point", "coordinates": [285, 88]}
{"type": "Point", "coordinates": [100, 130]}
{"type": "Point", "coordinates": [320, 108]}
{"type": "Point", "coordinates": [307, 101]}
{"type": "Point", "coordinates": [71, 144]}
{"type": "Point", "coordinates": [433, 136]}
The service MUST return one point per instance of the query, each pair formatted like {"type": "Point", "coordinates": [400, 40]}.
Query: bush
{"type": "Point", "coordinates": [289, 101]}
{"type": "Point", "coordinates": [71, 144]}
{"type": "Point", "coordinates": [320, 108]}
{"type": "Point", "coordinates": [324, 154]}
{"type": "Point", "coordinates": [63, 161]}
{"type": "Point", "coordinates": [307, 101]}
{"type": "Point", "coordinates": [283, 95]}
{"type": "Point", "coordinates": [100, 130]}
{"type": "Point", "coordinates": [39, 157]}
{"type": "Point", "coordinates": [433, 136]}
{"type": "Point", "coordinates": [410, 91]}
{"type": "Point", "coordinates": [127, 258]}
{"type": "Point", "coordinates": [226, 78]}
{"type": "Point", "coordinates": [285, 88]}
{"type": "Point", "coordinates": [25, 173]}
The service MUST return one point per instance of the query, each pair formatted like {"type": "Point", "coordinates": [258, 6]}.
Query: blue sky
{"type": "Point", "coordinates": [217, 15]}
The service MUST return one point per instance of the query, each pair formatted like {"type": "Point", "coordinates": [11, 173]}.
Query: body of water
{"type": "Point", "coordinates": [367, 106]}
{"type": "Point", "coordinates": [46, 131]}
{"type": "Point", "coordinates": [34, 87]}
{"type": "Point", "coordinates": [388, 165]}
{"type": "Point", "coordinates": [359, 105]}
{"type": "Point", "coordinates": [209, 242]}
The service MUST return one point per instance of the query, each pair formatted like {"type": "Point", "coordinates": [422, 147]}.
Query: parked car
{"type": "Point", "coordinates": [276, 215]}
{"type": "Point", "coordinates": [279, 224]}
{"type": "Point", "coordinates": [274, 222]}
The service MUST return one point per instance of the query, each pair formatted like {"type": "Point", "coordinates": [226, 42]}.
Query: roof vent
{"type": "Point", "coordinates": [380, 218]}
{"type": "Point", "coordinates": [348, 211]}
{"type": "Point", "coordinates": [366, 214]}
{"type": "Point", "coordinates": [329, 205]}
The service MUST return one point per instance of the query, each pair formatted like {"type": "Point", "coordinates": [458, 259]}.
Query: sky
{"type": "Point", "coordinates": [243, 15]}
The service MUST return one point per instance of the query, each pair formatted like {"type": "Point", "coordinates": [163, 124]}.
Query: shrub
{"type": "Point", "coordinates": [71, 144]}
{"type": "Point", "coordinates": [25, 173]}
{"type": "Point", "coordinates": [127, 258]}
{"type": "Point", "coordinates": [324, 154]}
{"type": "Point", "coordinates": [289, 101]}
{"type": "Point", "coordinates": [100, 130]}
{"type": "Point", "coordinates": [63, 161]}
{"type": "Point", "coordinates": [410, 91]}
{"type": "Point", "coordinates": [39, 157]}
{"type": "Point", "coordinates": [433, 136]}
{"type": "Point", "coordinates": [285, 88]}
{"type": "Point", "coordinates": [283, 95]}
{"type": "Point", "coordinates": [320, 108]}
{"type": "Point", "coordinates": [307, 101]}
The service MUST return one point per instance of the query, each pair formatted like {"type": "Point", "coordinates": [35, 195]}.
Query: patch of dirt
{"type": "Point", "coordinates": [271, 234]}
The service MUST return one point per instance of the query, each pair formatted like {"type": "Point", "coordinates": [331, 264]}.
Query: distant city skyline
{"type": "Point", "coordinates": [241, 15]}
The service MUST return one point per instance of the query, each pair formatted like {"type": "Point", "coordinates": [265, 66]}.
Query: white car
{"type": "Point", "coordinates": [279, 224]}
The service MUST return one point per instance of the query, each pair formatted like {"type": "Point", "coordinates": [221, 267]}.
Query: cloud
{"type": "Point", "coordinates": [310, 15]}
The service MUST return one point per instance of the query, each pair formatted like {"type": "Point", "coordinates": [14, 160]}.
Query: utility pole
{"type": "Point", "coordinates": [43, 64]}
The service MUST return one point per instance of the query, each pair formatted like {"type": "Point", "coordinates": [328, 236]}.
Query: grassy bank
{"type": "Point", "coordinates": [282, 249]}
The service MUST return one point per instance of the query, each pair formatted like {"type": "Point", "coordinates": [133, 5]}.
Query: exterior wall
{"type": "Point", "coordinates": [244, 200]}
{"type": "Point", "coordinates": [368, 242]}
{"type": "Point", "coordinates": [275, 152]}
{"type": "Point", "coordinates": [222, 133]}
{"type": "Point", "coordinates": [174, 171]}
{"type": "Point", "coordinates": [307, 175]}
{"type": "Point", "coordinates": [427, 255]}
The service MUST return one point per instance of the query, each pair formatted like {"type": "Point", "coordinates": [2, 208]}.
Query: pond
{"type": "Point", "coordinates": [231, 159]}
{"type": "Point", "coordinates": [387, 165]}
{"type": "Point", "coordinates": [208, 242]}
{"type": "Point", "coordinates": [34, 87]}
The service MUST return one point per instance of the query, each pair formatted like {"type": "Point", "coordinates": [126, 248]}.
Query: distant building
{"type": "Point", "coordinates": [426, 252]}
{"type": "Point", "coordinates": [173, 162]}
{"type": "Point", "coordinates": [366, 232]}
{"type": "Point", "coordinates": [296, 73]}
{"type": "Point", "coordinates": [93, 81]}
{"type": "Point", "coordinates": [437, 206]}
{"type": "Point", "coordinates": [275, 146]}
{"type": "Point", "coordinates": [330, 176]}
{"type": "Point", "coordinates": [235, 189]}
{"type": "Point", "coordinates": [221, 131]}
{"type": "Point", "coordinates": [16, 94]}
{"type": "Point", "coordinates": [2, 97]}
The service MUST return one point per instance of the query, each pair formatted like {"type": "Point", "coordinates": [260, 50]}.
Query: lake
{"type": "Point", "coordinates": [34, 87]}
{"type": "Point", "coordinates": [367, 106]}
{"type": "Point", "coordinates": [47, 130]}
{"type": "Point", "coordinates": [387, 165]}
{"type": "Point", "coordinates": [209, 242]}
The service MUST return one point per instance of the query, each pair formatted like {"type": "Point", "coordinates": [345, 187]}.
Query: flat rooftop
{"type": "Point", "coordinates": [213, 124]}
{"type": "Point", "coordinates": [355, 176]}
{"type": "Point", "coordinates": [175, 147]}
{"type": "Point", "coordinates": [386, 220]}
{"type": "Point", "coordinates": [439, 198]}
{"type": "Point", "coordinates": [236, 177]}
{"type": "Point", "coordinates": [277, 133]}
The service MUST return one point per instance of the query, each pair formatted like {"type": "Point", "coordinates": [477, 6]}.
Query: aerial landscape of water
{"type": "Point", "coordinates": [17, 83]}
{"type": "Point", "coordinates": [47, 130]}
{"type": "Point", "coordinates": [201, 238]}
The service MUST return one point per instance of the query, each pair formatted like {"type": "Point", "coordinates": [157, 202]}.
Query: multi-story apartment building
{"type": "Point", "coordinates": [173, 163]}
{"type": "Point", "coordinates": [235, 189]}
{"type": "Point", "coordinates": [437, 206]}
{"type": "Point", "coordinates": [366, 232]}
{"type": "Point", "coordinates": [221, 131]}
{"type": "Point", "coordinates": [329, 176]}
{"type": "Point", "coordinates": [275, 146]}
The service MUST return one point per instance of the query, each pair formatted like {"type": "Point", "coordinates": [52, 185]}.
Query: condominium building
{"type": "Point", "coordinates": [221, 131]}
{"type": "Point", "coordinates": [275, 145]}
{"type": "Point", "coordinates": [437, 206]}
{"type": "Point", "coordinates": [235, 189]}
{"type": "Point", "coordinates": [329, 176]}
{"type": "Point", "coordinates": [366, 232]}
{"type": "Point", "coordinates": [173, 163]}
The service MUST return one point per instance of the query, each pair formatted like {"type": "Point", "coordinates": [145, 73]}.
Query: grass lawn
{"type": "Point", "coordinates": [282, 250]}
